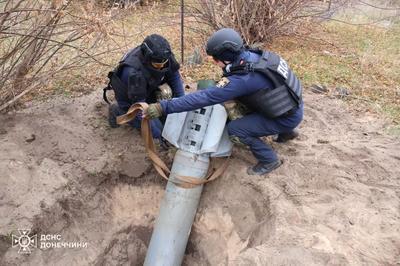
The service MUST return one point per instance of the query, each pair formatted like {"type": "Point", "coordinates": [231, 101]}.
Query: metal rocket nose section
{"type": "Point", "coordinates": [201, 131]}
{"type": "Point", "coordinates": [194, 129]}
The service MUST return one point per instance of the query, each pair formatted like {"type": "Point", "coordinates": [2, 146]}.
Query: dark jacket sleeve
{"type": "Point", "coordinates": [175, 82]}
{"type": "Point", "coordinates": [237, 86]}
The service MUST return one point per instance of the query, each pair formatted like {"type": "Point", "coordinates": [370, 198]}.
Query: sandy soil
{"type": "Point", "coordinates": [335, 201]}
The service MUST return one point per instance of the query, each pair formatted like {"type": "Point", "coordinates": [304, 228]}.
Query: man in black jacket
{"type": "Point", "coordinates": [138, 77]}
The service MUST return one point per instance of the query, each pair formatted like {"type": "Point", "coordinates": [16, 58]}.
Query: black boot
{"type": "Point", "coordinates": [113, 112]}
{"type": "Point", "coordinates": [283, 137]}
{"type": "Point", "coordinates": [263, 168]}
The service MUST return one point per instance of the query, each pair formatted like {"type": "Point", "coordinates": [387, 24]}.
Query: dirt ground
{"type": "Point", "coordinates": [335, 200]}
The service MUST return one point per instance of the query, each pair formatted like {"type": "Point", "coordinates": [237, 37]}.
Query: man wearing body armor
{"type": "Point", "coordinates": [261, 84]}
{"type": "Point", "coordinates": [147, 73]}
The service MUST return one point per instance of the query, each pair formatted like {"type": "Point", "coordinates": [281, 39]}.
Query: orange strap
{"type": "Point", "coordinates": [159, 165]}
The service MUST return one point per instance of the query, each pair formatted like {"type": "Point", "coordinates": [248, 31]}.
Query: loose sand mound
{"type": "Point", "coordinates": [335, 200]}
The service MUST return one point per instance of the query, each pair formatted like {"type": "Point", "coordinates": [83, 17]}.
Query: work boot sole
{"type": "Point", "coordinates": [250, 170]}
{"type": "Point", "coordinates": [286, 137]}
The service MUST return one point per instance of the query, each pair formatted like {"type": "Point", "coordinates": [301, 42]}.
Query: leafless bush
{"type": "Point", "coordinates": [259, 20]}
{"type": "Point", "coordinates": [40, 39]}
{"type": "Point", "coordinates": [126, 3]}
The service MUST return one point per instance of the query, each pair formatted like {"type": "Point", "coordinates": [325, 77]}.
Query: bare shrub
{"type": "Point", "coordinates": [127, 3]}
{"type": "Point", "coordinates": [259, 20]}
{"type": "Point", "coordinates": [41, 39]}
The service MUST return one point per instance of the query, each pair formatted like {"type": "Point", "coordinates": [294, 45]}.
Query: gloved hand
{"type": "Point", "coordinates": [153, 111]}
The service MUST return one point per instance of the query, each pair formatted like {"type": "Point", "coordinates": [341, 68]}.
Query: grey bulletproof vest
{"type": "Point", "coordinates": [286, 93]}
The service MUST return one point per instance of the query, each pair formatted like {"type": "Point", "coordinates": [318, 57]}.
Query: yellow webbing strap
{"type": "Point", "coordinates": [159, 165]}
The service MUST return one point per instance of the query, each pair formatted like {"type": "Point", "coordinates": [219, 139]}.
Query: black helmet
{"type": "Point", "coordinates": [224, 44]}
{"type": "Point", "coordinates": [156, 48]}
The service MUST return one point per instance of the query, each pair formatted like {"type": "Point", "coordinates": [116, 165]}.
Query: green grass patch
{"type": "Point", "coordinates": [363, 59]}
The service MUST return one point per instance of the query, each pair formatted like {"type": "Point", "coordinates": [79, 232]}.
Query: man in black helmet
{"type": "Point", "coordinates": [142, 76]}
{"type": "Point", "coordinates": [261, 83]}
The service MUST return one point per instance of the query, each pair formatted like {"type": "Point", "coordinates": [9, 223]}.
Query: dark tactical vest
{"type": "Point", "coordinates": [143, 80]}
{"type": "Point", "coordinates": [286, 94]}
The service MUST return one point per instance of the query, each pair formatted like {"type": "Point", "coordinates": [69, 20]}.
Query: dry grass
{"type": "Point", "coordinates": [365, 60]}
